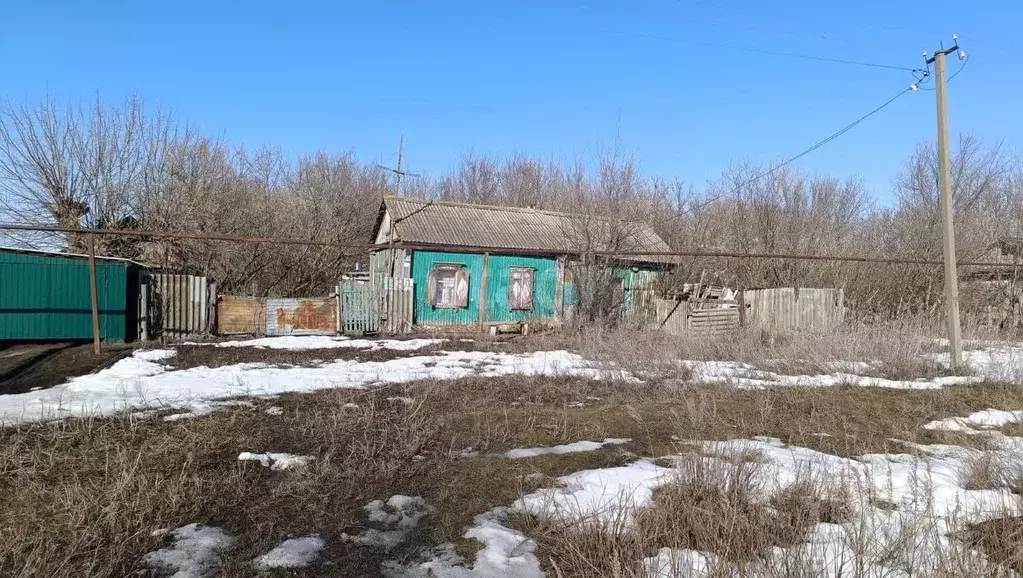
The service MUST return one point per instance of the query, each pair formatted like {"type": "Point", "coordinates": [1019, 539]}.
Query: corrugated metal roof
{"type": "Point", "coordinates": [24, 251]}
{"type": "Point", "coordinates": [446, 223]}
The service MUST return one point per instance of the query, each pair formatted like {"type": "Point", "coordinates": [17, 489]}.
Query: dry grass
{"type": "Point", "coordinates": [711, 505]}
{"type": "Point", "coordinates": [1001, 540]}
{"type": "Point", "coordinates": [894, 351]}
{"type": "Point", "coordinates": [81, 497]}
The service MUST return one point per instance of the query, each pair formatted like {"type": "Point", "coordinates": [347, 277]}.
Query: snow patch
{"type": "Point", "coordinates": [276, 461]}
{"type": "Point", "coordinates": [292, 553]}
{"type": "Point", "coordinates": [583, 446]}
{"type": "Point", "coordinates": [606, 496]}
{"type": "Point", "coordinates": [396, 518]}
{"type": "Point", "coordinates": [194, 553]}
{"type": "Point", "coordinates": [506, 553]}
{"type": "Point", "coordinates": [669, 563]}
{"type": "Point", "coordinates": [274, 410]}
{"type": "Point", "coordinates": [973, 423]}
{"type": "Point", "coordinates": [136, 383]}
{"type": "Point", "coordinates": [744, 375]}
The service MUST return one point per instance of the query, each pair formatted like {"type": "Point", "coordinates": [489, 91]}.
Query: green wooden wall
{"type": "Point", "coordinates": [47, 297]}
{"type": "Point", "coordinates": [496, 307]}
{"type": "Point", "coordinates": [422, 264]}
{"type": "Point", "coordinates": [544, 281]}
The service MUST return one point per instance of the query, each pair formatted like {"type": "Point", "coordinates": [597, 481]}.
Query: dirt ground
{"type": "Point", "coordinates": [24, 367]}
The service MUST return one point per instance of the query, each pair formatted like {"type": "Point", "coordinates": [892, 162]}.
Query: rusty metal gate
{"type": "Point", "coordinates": [307, 316]}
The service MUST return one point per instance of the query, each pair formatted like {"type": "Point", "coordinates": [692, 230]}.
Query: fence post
{"type": "Point", "coordinates": [740, 298]}
{"type": "Point", "coordinates": [93, 296]}
{"type": "Point", "coordinates": [483, 289]}
{"type": "Point", "coordinates": [144, 311]}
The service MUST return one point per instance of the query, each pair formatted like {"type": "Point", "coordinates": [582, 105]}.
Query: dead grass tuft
{"type": "Point", "coordinates": [1001, 540]}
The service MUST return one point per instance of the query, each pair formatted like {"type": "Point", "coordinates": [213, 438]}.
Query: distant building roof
{"type": "Point", "coordinates": [64, 254]}
{"type": "Point", "coordinates": [451, 224]}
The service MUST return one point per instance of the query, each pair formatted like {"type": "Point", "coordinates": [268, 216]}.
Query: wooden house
{"type": "Point", "coordinates": [477, 264]}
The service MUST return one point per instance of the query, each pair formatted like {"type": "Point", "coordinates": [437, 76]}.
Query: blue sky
{"type": "Point", "coordinates": [553, 78]}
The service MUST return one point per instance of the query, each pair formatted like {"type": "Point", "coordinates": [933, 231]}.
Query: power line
{"type": "Point", "coordinates": [768, 52]}
{"type": "Point", "coordinates": [167, 235]}
{"type": "Point", "coordinates": [805, 152]}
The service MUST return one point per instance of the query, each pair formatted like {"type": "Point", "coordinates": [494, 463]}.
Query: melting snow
{"type": "Point", "coordinates": [605, 496]}
{"type": "Point", "coordinates": [584, 446]}
{"type": "Point", "coordinates": [506, 553]}
{"type": "Point", "coordinates": [747, 376]}
{"type": "Point", "coordinates": [397, 517]}
{"type": "Point", "coordinates": [981, 420]}
{"type": "Point", "coordinates": [194, 553]}
{"type": "Point", "coordinates": [292, 553]}
{"type": "Point", "coordinates": [141, 382]}
{"type": "Point", "coordinates": [930, 505]}
{"type": "Point", "coordinates": [276, 461]}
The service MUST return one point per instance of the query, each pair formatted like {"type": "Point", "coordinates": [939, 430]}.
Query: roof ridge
{"type": "Point", "coordinates": [506, 208]}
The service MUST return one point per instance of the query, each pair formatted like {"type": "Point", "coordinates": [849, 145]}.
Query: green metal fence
{"type": "Point", "coordinates": [46, 296]}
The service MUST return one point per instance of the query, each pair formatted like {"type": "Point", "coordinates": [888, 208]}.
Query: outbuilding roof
{"type": "Point", "coordinates": [452, 224]}
{"type": "Point", "coordinates": [25, 251]}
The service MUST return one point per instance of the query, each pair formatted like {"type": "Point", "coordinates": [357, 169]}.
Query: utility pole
{"type": "Point", "coordinates": [93, 294]}
{"type": "Point", "coordinates": [948, 245]}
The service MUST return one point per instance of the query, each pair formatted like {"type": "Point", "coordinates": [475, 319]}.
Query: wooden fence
{"type": "Point", "coordinates": [795, 309]}
{"type": "Point", "coordinates": [696, 318]}
{"type": "Point", "coordinates": [396, 306]}
{"type": "Point", "coordinates": [371, 307]}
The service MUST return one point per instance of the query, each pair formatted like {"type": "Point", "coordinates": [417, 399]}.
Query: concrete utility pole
{"type": "Point", "coordinates": [948, 245]}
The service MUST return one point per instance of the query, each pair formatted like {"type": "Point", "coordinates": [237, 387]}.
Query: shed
{"type": "Point", "coordinates": [487, 264]}
{"type": "Point", "coordinates": [45, 296]}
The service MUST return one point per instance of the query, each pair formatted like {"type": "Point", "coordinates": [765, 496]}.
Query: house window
{"type": "Point", "coordinates": [520, 289]}
{"type": "Point", "coordinates": [448, 286]}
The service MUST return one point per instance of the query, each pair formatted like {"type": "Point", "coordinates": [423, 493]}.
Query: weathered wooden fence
{"type": "Point", "coordinates": [371, 307]}
{"type": "Point", "coordinates": [178, 306]}
{"type": "Point", "coordinates": [696, 318]}
{"type": "Point", "coordinates": [360, 311]}
{"type": "Point", "coordinates": [795, 309]}
{"type": "Point", "coordinates": [396, 306]}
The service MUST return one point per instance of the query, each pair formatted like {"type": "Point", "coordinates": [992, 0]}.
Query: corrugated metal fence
{"type": "Point", "coordinates": [307, 316]}
{"type": "Point", "coordinates": [789, 309]}
{"type": "Point", "coordinates": [179, 305]}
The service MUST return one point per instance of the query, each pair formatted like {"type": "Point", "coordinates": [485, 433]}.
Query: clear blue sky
{"type": "Point", "coordinates": [555, 78]}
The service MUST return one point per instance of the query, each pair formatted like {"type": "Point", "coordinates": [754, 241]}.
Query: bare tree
{"type": "Point", "coordinates": [78, 166]}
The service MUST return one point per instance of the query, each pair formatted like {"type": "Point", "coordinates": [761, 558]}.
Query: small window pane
{"type": "Point", "coordinates": [449, 286]}
{"type": "Point", "coordinates": [520, 289]}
